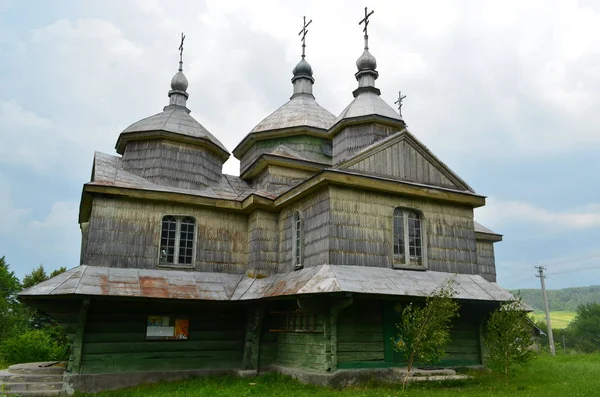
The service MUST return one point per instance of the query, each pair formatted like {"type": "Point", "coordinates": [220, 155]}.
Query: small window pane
{"type": "Point", "coordinates": [414, 236]}
{"type": "Point", "coordinates": [186, 240]}
{"type": "Point", "coordinates": [297, 239]}
{"type": "Point", "coordinates": [167, 242]}
{"type": "Point", "coordinates": [398, 236]}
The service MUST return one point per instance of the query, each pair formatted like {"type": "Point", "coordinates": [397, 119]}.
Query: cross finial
{"type": "Point", "coordinates": [399, 102]}
{"type": "Point", "coordinates": [181, 52]}
{"type": "Point", "coordinates": [365, 20]}
{"type": "Point", "coordinates": [303, 33]}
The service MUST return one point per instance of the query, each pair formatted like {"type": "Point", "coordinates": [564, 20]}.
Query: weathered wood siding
{"type": "Point", "coordinates": [277, 179]}
{"type": "Point", "coordinates": [172, 164]}
{"type": "Point", "coordinates": [263, 240]}
{"type": "Point", "coordinates": [404, 162]}
{"type": "Point", "coordinates": [306, 350]}
{"type": "Point", "coordinates": [315, 215]}
{"type": "Point", "coordinates": [354, 138]}
{"type": "Point", "coordinates": [486, 260]}
{"type": "Point", "coordinates": [360, 335]}
{"type": "Point", "coordinates": [126, 233]}
{"type": "Point", "coordinates": [365, 336]}
{"type": "Point", "coordinates": [361, 231]}
{"type": "Point", "coordinates": [115, 338]}
{"type": "Point", "coordinates": [309, 147]}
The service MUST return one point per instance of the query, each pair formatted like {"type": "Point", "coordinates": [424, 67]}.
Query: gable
{"type": "Point", "coordinates": [403, 157]}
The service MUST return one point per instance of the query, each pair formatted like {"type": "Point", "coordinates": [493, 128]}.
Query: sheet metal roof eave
{"type": "Point", "coordinates": [245, 144]}
{"type": "Point", "coordinates": [127, 283]}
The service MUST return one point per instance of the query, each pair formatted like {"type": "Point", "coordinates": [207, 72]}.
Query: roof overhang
{"type": "Point", "coordinates": [266, 159]}
{"type": "Point", "coordinates": [493, 237]}
{"type": "Point", "coordinates": [205, 143]}
{"type": "Point", "coordinates": [250, 203]}
{"type": "Point", "coordinates": [370, 118]}
{"type": "Point", "coordinates": [380, 184]}
{"type": "Point", "coordinates": [190, 285]}
{"type": "Point", "coordinates": [253, 201]}
{"type": "Point", "coordinates": [253, 137]}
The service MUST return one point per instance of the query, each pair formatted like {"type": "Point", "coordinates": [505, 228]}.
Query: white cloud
{"type": "Point", "coordinates": [498, 212]}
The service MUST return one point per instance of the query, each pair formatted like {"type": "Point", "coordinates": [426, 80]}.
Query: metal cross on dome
{"type": "Point", "coordinates": [399, 102]}
{"type": "Point", "coordinates": [365, 20]}
{"type": "Point", "coordinates": [181, 52]}
{"type": "Point", "coordinates": [303, 32]}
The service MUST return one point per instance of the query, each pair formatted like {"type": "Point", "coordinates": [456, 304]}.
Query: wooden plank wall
{"type": "Point", "coordinates": [486, 260]}
{"type": "Point", "coordinates": [354, 138]}
{"type": "Point", "coordinates": [306, 350]}
{"type": "Point", "coordinates": [126, 233]}
{"type": "Point", "coordinates": [172, 164]}
{"type": "Point", "coordinates": [361, 231]}
{"type": "Point", "coordinates": [402, 161]}
{"type": "Point", "coordinates": [306, 146]}
{"type": "Point", "coordinates": [277, 179]}
{"type": "Point", "coordinates": [360, 335]}
{"type": "Point", "coordinates": [315, 217]}
{"type": "Point", "coordinates": [263, 239]}
{"type": "Point", "coordinates": [115, 338]}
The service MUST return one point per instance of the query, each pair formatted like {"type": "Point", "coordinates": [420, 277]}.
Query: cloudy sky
{"type": "Point", "coordinates": [506, 93]}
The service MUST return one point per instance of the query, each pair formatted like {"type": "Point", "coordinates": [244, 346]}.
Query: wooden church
{"type": "Point", "coordinates": [301, 264]}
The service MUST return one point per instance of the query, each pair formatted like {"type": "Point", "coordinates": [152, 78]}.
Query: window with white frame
{"type": "Point", "coordinates": [177, 240]}
{"type": "Point", "coordinates": [408, 238]}
{"type": "Point", "coordinates": [297, 240]}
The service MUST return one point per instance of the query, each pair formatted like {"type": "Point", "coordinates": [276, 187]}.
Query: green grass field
{"type": "Point", "coordinates": [559, 319]}
{"type": "Point", "coordinates": [570, 375]}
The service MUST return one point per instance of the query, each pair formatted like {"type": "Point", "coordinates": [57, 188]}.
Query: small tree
{"type": "Point", "coordinates": [423, 331]}
{"type": "Point", "coordinates": [585, 328]}
{"type": "Point", "coordinates": [509, 336]}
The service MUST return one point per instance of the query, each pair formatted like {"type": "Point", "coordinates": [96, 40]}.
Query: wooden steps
{"type": "Point", "coordinates": [32, 379]}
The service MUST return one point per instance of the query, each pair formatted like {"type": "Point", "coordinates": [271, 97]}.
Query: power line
{"type": "Point", "coordinates": [575, 270]}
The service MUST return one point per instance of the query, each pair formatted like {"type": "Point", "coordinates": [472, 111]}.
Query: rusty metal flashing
{"type": "Point", "coordinates": [175, 284]}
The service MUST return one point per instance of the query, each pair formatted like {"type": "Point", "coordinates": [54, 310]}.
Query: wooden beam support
{"type": "Point", "coordinates": [78, 343]}
{"type": "Point", "coordinates": [254, 322]}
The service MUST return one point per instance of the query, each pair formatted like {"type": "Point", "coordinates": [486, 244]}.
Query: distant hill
{"type": "Point", "coordinates": [566, 299]}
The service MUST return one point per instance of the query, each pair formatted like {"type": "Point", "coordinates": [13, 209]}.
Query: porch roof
{"type": "Point", "coordinates": [177, 284]}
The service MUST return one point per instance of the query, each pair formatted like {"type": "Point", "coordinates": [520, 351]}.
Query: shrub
{"type": "Point", "coordinates": [424, 330]}
{"type": "Point", "coordinates": [32, 346]}
{"type": "Point", "coordinates": [509, 337]}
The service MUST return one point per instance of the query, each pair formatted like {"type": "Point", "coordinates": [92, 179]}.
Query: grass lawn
{"type": "Point", "coordinates": [560, 319]}
{"type": "Point", "coordinates": [572, 376]}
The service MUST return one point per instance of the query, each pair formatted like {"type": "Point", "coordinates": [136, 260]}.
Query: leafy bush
{"type": "Point", "coordinates": [424, 330]}
{"type": "Point", "coordinates": [509, 337]}
{"type": "Point", "coordinates": [33, 346]}
{"type": "Point", "coordinates": [586, 328]}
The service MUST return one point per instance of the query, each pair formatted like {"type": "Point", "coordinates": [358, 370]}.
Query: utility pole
{"type": "Point", "coordinates": [540, 274]}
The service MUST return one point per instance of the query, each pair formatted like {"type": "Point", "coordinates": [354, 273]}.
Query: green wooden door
{"type": "Point", "coordinates": [391, 316]}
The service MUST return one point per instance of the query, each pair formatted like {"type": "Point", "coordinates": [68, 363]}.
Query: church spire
{"type": "Point", "coordinates": [366, 63]}
{"type": "Point", "coordinates": [178, 94]}
{"type": "Point", "coordinates": [303, 80]}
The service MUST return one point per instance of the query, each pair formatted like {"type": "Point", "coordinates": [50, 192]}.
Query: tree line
{"type": "Point", "coordinates": [567, 299]}
{"type": "Point", "coordinates": [26, 334]}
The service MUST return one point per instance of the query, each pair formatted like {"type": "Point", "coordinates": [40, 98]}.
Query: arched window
{"type": "Point", "coordinates": [177, 240]}
{"type": "Point", "coordinates": [408, 238]}
{"type": "Point", "coordinates": [297, 240]}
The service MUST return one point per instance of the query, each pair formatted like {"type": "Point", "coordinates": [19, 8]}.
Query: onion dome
{"type": "Point", "coordinates": [179, 82]}
{"type": "Point", "coordinates": [366, 61]}
{"type": "Point", "coordinates": [303, 68]}
{"type": "Point", "coordinates": [174, 122]}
